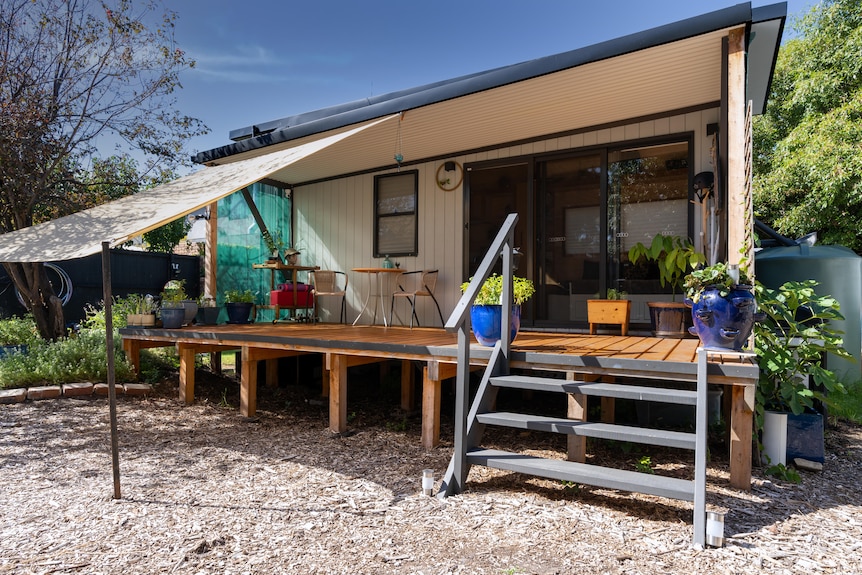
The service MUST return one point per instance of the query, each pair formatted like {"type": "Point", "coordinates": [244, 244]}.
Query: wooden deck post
{"type": "Point", "coordinates": [408, 389]}
{"type": "Point", "coordinates": [187, 372]}
{"type": "Point", "coordinates": [337, 393]}
{"type": "Point", "coordinates": [576, 409]}
{"type": "Point", "coordinates": [248, 384]}
{"type": "Point", "coordinates": [741, 432]}
{"type": "Point", "coordinates": [737, 223]}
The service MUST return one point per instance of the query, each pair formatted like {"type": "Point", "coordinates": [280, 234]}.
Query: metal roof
{"type": "Point", "coordinates": [676, 67]}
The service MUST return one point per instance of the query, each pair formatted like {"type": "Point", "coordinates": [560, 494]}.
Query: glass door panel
{"type": "Point", "coordinates": [647, 195]}
{"type": "Point", "coordinates": [494, 193]}
{"type": "Point", "coordinates": [569, 242]}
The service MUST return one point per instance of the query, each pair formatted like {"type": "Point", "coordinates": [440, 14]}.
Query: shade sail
{"type": "Point", "coordinates": [82, 233]}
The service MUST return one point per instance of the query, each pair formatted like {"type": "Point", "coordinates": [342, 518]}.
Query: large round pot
{"type": "Point", "coordinates": [173, 317]}
{"type": "Point", "coordinates": [487, 321]}
{"type": "Point", "coordinates": [238, 312]}
{"type": "Point", "coordinates": [724, 322]}
{"type": "Point", "coordinates": [668, 318]}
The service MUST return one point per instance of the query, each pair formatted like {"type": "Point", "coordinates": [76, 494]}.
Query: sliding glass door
{"type": "Point", "coordinates": [580, 214]}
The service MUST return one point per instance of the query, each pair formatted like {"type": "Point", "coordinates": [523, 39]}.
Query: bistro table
{"type": "Point", "coordinates": [383, 279]}
{"type": "Point", "coordinates": [273, 266]}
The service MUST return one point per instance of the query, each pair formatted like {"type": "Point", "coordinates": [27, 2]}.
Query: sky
{"type": "Point", "coordinates": [261, 60]}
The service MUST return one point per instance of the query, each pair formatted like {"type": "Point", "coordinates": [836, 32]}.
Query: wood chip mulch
{"type": "Point", "coordinates": [207, 491]}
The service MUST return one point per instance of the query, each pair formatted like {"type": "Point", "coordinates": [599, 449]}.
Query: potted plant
{"type": "Point", "coordinates": [486, 314]}
{"type": "Point", "coordinates": [208, 310]}
{"type": "Point", "coordinates": [723, 307]}
{"type": "Point", "coordinates": [173, 310]}
{"type": "Point", "coordinates": [274, 244]}
{"type": "Point", "coordinates": [238, 304]}
{"type": "Point", "coordinates": [614, 309]}
{"type": "Point", "coordinates": [142, 310]}
{"type": "Point", "coordinates": [791, 342]}
{"type": "Point", "coordinates": [675, 257]}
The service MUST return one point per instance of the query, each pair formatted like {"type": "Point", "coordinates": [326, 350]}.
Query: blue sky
{"type": "Point", "coordinates": [262, 60]}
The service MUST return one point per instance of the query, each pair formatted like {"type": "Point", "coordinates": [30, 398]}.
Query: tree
{"type": "Point", "coordinates": [808, 144]}
{"type": "Point", "coordinates": [75, 74]}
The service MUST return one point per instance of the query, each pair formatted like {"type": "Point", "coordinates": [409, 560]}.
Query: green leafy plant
{"type": "Point", "coordinates": [273, 243]}
{"type": "Point", "coordinates": [675, 257]}
{"type": "Point", "coordinates": [644, 465]}
{"type": "Point", "coordinates": [174, 294]}
{"type": "Point", "coordinates": [780, 471]}
{"type": "Point", "coordinates": [207, 301]}
{"type": "Point", "coordinates": [19, 331]}
{"type": "Point", "coordinates": [238, 296]}
{"type": "Point", "coordinates": [791, 343]}
{"type": "Point", "coordinates": [718, 275]}
{"type": "Point", "coordinates": [616, 294]}
{"type": "Point", "coordinates": [492, 290]}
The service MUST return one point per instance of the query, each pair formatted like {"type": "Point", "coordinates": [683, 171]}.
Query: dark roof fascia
{"type": "Point", "coordinates": [760, 16]}
{"type": "Point", "coordinates": [344, 115]}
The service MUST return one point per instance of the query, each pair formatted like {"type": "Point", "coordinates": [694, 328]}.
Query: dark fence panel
{"type": "Point", "coordinates": [131, 272]}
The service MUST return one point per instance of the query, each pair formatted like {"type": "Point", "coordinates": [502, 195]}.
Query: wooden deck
{"type": "Point", "coordinates": [343, 346]}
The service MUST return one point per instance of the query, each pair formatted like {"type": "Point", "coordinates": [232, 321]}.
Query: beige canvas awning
{"type": "Point", "coordinates": [82, 233]}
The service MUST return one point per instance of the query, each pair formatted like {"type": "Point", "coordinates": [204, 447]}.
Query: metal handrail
{"type": "Point", "coordinates": [459, 321]}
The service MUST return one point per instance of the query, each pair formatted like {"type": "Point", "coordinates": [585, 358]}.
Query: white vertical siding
{"type": "Point", "coordinates": [334, 220]}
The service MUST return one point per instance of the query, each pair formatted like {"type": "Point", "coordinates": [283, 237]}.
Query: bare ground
{"type": "Point", "coordinates": [207, 491]}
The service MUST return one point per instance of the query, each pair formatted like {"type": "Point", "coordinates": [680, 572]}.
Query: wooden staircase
{"type": "Point", "coordinates": [470, 424]}
{"type": "Point", "coordinates": [482, 414]}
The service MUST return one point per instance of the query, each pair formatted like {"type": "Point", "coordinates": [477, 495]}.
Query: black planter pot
{"type": "Point", "coordinates": [238, 312]}
{"type": "Point", "coordinates": [208, 315]}
{"type": "Point", "coordinates": [173, 317]}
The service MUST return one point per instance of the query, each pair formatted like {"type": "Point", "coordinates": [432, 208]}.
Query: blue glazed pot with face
{"type": "Point", "coordinates": [486, 321]}
{"type": "Point", "coordinates": [724, 322]}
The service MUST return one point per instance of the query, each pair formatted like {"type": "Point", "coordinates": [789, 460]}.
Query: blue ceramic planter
{"type": "Point", "coordinates": [487, 322]}
{"type": "Point", "coordinates": [724, 323]}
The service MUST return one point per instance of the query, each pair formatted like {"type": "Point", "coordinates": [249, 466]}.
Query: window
{"type": "Point", "coordinates": [395, 214]}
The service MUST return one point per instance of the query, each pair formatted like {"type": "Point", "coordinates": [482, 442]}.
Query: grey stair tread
{"type": "Point", "coordinates": [633, 434]}
{"type": "Point", "coordinates": [616, 390]}
{"type": "Point", "coordinates": [597, 476]}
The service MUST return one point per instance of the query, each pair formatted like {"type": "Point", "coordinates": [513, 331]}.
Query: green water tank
{"type": "Point", "coordinates": [838, 270]}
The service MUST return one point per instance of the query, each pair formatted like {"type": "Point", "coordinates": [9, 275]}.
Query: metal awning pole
{"type": "Point", "coordinates": [109, 351]}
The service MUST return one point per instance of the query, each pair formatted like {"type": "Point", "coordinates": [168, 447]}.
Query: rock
{"type": "Point", "coordinates": [807, 465]}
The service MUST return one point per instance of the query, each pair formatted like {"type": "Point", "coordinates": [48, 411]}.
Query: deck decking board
{"type": "Point", "coordinates": [588, 355]}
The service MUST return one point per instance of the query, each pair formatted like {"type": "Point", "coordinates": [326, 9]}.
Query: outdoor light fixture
{"type": "Point", "coordinates": [198, 231]}
{"type": "Point", "coordinates": [449, 166]}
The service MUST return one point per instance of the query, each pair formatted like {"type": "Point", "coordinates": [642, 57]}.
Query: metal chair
{"type": "Point", "coordinates": [419, 283]}
{"type": "Point", "coordinates": [325, 284]}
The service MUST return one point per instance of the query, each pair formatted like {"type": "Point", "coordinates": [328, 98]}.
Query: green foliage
{"type": "Point", "coordinates": [616, 294]}
{"type": "Point", "coordinates": [72, 359]}
{"type": "Point", "coordinates": [644, 465]}
{"type": "Point", "coordinates": [19, 331]}
{"type": "Point", "coordinates": [167, 237]}
{"type": "Point", "coordinates": [783, 473]}
{"type": "Point", "coordinates": [790, 344]}
{"type": "Point", "coordinates": [238, 296]}
{"type": "Point", "coordinates": [674, 255]}
{"type": "Point", "coordinates": [808, 158]}
{"type": "Point", "coordinates": [492, 290]}
{"type": "Point", "coordinates": [717, 275]}
{"type": "Point", "coordinates": [174, 294]}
